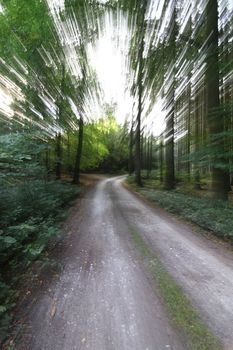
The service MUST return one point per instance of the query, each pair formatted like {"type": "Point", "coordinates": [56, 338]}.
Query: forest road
{"type": "Point", "coordinates": [103, 299]}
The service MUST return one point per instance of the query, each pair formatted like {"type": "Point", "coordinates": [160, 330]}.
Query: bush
{"type": "Point", "coordinates": [215, 216]}
{"type": "Point", "coordinates": [6, 305]}
{"type": "Point", "coordinates": [29, 215]}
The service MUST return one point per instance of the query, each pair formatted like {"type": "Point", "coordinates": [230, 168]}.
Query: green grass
{"type": "Point", "coordinates": [184, 316]}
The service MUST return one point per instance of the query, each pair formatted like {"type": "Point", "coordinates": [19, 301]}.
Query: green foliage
{"type": "Point", "coordinates": [20, 156]}
{"type": "Point", "coordinates": [215, 216]}
{"type": "Point", "coordinates": [115, 139]}
{"type": "Point", "coordinates": [29, 217]}
{"type": "Point", "coordinates": [94, 147]}
{"type": "Point", "coordinates": [7, 296]}
{"type": "Point", "coordinates": [31, 208]}
{"type": "Point", "coordinates": [29, 21]}
{"type": "Point", "coordinates": [105, 146]}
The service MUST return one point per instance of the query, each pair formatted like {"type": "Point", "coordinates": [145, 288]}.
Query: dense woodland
{"type": "Point", "coordinates": [180, 52]}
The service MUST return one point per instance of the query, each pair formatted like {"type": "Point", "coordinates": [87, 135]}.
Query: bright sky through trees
{"type": "Point", "coordinates": [108, 56]}
{"type": "Point", "coordinates": [109, 59]}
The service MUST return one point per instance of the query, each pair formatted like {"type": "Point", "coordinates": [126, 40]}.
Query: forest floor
{"type": "Point", "coordinates": [105, 298]}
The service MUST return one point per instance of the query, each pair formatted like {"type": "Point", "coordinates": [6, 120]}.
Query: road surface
{"type": "Point", "coordinates": [103, 299]}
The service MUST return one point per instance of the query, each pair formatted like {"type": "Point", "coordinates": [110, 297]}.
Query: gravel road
{"type": "Point", "coordinates": [103, 299]}
{"type": "Point", "coordinates": [203, 268]}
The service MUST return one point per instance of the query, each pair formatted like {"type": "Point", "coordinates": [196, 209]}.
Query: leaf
{"type": "Point", "coordinates": [2, 309]}
{"type": "Point", "coordinates": [36, 251]}
{"type": "Point", "coordinates": [53, 309]}
{"type": "Point", "coordinates": [8, 240]}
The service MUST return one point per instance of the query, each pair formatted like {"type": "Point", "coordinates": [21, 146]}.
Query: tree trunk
{"type": "Point", "coordinates": [196, 166]}
{"type": "Point", "coordinates": [149, 156]}
{"type": "Point", "coordinates": [161, 162]}
{"type": "Point", "coordinates": [138, 178]}
{"type": "Point", "coordinates": [131, 151]}
{"type": "Point", "coordinates": [142, 151]}
{"type": "Point", "coordinates": [58, 151]}
{"type": "Point", "coordinates": [138, 148]}
{"type": "Point", "coordinates": [76, 177]}
{"type": "Point", "coordinates": [188, 167]}
{"type": "Point", "coordinates": [69, 154]}
{"type": "Point", "coordinates": [215, 121]}
{"type": "Point", "coordinates": [138, 153]}
{"type": "Point", "coordinates": [47, 161]}
{"type": "Point", "coordinates": [169, 178]}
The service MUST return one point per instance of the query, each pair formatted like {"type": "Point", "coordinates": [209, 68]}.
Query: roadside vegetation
{"type": "Point", "coordinates": [32, 206]}
{"type": "Point", "coordinates": [194, 206]}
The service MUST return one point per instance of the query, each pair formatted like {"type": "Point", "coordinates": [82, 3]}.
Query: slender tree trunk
{"type": "Point", "coordinates": [142, 151]}
{"type": "Point", "coordinates": [149, 155]}
{"type": "Point", "coordinates": [47, 161]}
{"type": "Point", "coordinates": [141, 32]}
{"type": "Point", "coordinates": [76, 177]}
{"type": "Point", "coordinates": [138, 178]}
{"type": "Point", "coordinates": [138, 148]}
{"type": "Point", "coordinates": [215, 121]}
{"type": "Point", "coordinates": [196, 166]}
{"type": "Point", "coordinates": [131, 151]}
{"type": "Point", "coordinates": [68, 153]}
{"type": "Point", "coordinates": [189, 133]}
{"type": "Point", "coordinates": [58, 150]}
{"type": "Point", "coordinates": [161, 162]}
{"type": "Point", "coordinates": [169, 178]}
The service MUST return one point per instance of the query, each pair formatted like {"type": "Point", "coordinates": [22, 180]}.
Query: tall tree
{"type": "Point", "coordinates": [220, 184]}
{"type": "Point", "coordinates": [141, 32]}
{"type": "Point", "coordinates": [76, 176]}
{"type": "Point", "coordinates": [169, 176]}
{"type": "Point", "coordinates": [131, 143]}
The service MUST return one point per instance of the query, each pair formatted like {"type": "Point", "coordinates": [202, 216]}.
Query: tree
{"type": "Point", "coordinates": [131, 144]}
{"type": "Point", "coordinates": [141, 32]}
{"type": "Point", "coordinates": [220, 184]}
{"type": "Point", "coordinates": [76, 177]}
{"type": "Point", "coordinates": [169, 87]}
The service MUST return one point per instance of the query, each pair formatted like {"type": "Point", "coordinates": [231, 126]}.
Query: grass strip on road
{"type": "Point", "coordinates": [182, 313]}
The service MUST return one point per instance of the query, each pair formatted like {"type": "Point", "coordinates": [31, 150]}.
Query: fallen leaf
{"type": "Point", "coordinates": [53, 309]}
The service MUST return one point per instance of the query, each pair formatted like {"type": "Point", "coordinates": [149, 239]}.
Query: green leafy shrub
{"type": "Point", "coordinates": [212, 215]}
{"type": "Point", "coordinates": [6, 305]}
{"type": "Point", "coordinates": [31, 208]}
{"type": "Point", "coordinates": [29, 215]}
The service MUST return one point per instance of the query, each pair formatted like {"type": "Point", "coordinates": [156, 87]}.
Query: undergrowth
{"type": "Point", "coordinates": [213, 215]}
{"type": "Point", "coordinates": [30, 215]}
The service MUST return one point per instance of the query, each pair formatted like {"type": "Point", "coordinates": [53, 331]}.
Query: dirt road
{"type": "Point", "coordinates": [103, 299]}
{"type": "Point", "coordinates": [202, 267]}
